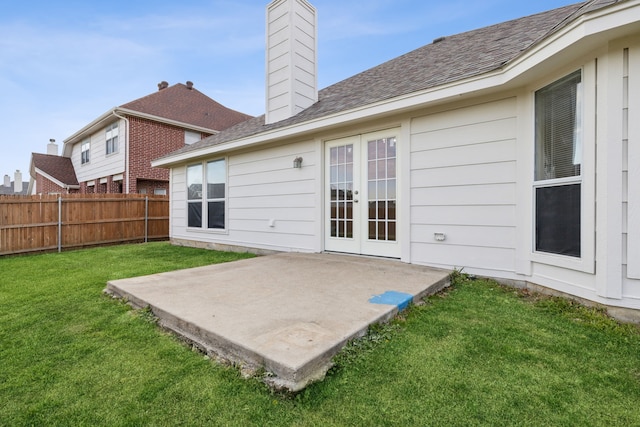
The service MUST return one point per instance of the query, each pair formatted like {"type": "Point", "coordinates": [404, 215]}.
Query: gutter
{"type": "Point", "coordinates": [126, 150]}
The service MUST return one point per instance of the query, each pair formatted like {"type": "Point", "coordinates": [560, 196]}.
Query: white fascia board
{"type": "Point", "coordinates": [104, 119]}
{"type": "Point", "coordinates": [86, 131]}
{"type": "Point", "coordinates": [592, 24]}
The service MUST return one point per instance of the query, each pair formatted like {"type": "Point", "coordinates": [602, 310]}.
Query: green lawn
{"type": "Point", "coordinates": [477, 354]}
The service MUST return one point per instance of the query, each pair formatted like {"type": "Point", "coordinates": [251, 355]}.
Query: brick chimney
{"type": "Point", "coordinates": [291, 59]}
{"type": "Point", "coordinates": [17, 182]}
{"type": "Point", "coordinates": [52, 147]}
{"type": "Point", "coordinates": [7, 181]}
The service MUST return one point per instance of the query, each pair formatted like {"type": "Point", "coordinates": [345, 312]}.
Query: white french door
{"type": "Point", "coordinates": [361, 213]}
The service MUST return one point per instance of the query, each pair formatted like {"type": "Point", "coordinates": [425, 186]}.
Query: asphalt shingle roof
{"type": "Point", "coordinates": [57, 167]}
{"type": "Point", "coordinates": [8, 191]}
{"type": "Point", "coordinates": [448, 60]}
{"type": "Point", "coordinates": [187, 105]}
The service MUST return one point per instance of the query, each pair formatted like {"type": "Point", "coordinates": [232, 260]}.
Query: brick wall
{"type": "Point", "coordinates": [148, 187]}
{"type": "Point", "coordinates": [46, 186]}
{"type": "Point", "coordinates": [149, 140]}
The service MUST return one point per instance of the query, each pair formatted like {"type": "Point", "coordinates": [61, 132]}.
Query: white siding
{"type": "Point", "coordinates": [100, 165]}
{"type": "Point", "coordinates": [463, 184]}
{"type": "Point", "coordinates": [631, 209]}
{"type": "Point", "coordinates": [291, 58]}
{"type": "Point", "coordinates": [270, 205]}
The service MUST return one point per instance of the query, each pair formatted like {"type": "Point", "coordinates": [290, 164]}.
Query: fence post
{"type": "Point", "coordinates": [146, 218]}
{"type": "Point", "coordinates": [59, 224]}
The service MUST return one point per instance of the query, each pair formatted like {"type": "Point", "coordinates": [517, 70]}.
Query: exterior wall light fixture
{"type": "Point", "coordinates": [297, 162]}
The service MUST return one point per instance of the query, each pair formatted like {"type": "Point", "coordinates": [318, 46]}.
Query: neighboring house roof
{"type": "Point", "coordinates": [178, 105]}
{"type": "Point", "coordinates": [184, 103]}
{"type": "Point", "coordinates": [56, 168]}
{"type": "Point", "coordinates": [8, 191]}
{"type": "Point", "coordinates": [445, 61]}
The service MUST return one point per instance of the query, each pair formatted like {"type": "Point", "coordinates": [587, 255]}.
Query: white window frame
{"type": "Point", "coordinates": [111, 138]}
{"type": "Point", "coordinates": [85, 147]}
{"type": "Point", "coordinates": [204, 198]}
{"type": "Point", "coordinates": [191, 137]}
{"type": "Point", "coordinates": [586, 262]}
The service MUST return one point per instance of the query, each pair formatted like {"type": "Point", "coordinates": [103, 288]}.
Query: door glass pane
{"type": "Point", "coordinates": [381, 177]}
{"type": "Point", "coordinates": [391, 210]}
{"type": "Point", "coordinates": [382, 210]}
{"type": "Point", "coordinates": [392, 231]}
{"type": "Point", "coordinates": [349, 154]}
{"type": "Point", "coordinates": [371, 174]}
{"type": "Point", "coordinates": [382, 148]}
{"type": "Point", "coordinates": [382, 169]}
{"type": "Point", "coordinates": [391, 189]}
{"type": "Point", "coordinates": [391, 168]}
{"type": "Point", "coordinates": [391, 148]}
{"type": "Point", "coordinates": [382, 232]}
{"type": "Point", "coordinates": [342, 173]}
{"type": "Point", "coordinates": [373, 187]}
{"type": "Point", "coordinates": [334, 174]}
{"type": "Point", "coordinates": [372, 230]}
{"type": "Point", "coordinates": [371, 150]}
{"type": "Point", "coordinates": [382, 189]}
{"type": "Point", "coordinates": [341, 184]}
{"type": "Point", "coordinates": [334, 192]}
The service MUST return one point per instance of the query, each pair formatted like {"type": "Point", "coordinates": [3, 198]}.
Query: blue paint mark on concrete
{"type": "Point", "coordinates": [399, 299]}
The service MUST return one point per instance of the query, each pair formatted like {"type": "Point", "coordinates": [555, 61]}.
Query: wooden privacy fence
{"type": "Point", "coordinates": [57, 222]}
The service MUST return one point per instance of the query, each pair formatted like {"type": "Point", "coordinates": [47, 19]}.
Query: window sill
{"type": "Point", "coordinates": [218, 231]}
{"type": "Point", "coordinates": [564, 261]}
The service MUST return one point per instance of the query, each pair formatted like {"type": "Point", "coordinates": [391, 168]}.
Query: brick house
{"type": "Point", "coordinates": [113, 153]}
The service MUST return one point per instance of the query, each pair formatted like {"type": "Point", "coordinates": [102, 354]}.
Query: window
{"type": "Point", "coordinates": [191, 137]}
{"type": "Point", "coordinates": [84, 151]}
{"type": "Point", "coordinates": [558, 164]}
{"type": "Point", "coordinates": [206, 194]}
{"type": "Point", "coordinates": [111, 137]}
{"type": "Point", "coordinates": [159, 191]}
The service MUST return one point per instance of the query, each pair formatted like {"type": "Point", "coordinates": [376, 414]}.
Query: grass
{"type": "Point", "coordinates": [477, 354]}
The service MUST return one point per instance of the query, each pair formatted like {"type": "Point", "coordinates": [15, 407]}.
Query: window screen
{"type": "Point", "coordinates": [558, 219]}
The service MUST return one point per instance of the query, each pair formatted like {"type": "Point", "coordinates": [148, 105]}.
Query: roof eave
{"type": "Point", "coordinates": [586, 26]}
{"type": "Point", "coordinates": [89, 129]}
{"type": "Point", "coordinates": [104, 120]}
{"type": "Point", "coordinates": [57, 181]}
{"type": "Point", "coordinates": [166, 121]}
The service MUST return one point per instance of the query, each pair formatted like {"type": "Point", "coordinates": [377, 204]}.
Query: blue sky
{"type": "Point", "coordinates": [64, 63]}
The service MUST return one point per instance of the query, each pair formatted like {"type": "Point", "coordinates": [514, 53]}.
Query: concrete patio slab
{"type": "Point", "coordinates": [287, 313]}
